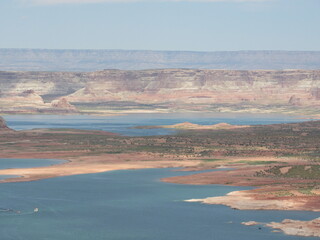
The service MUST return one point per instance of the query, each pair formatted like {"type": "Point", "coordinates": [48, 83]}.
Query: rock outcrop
{"type": "Point", "coordinates": [244, 200]}
{"type": "Point", "coordinates": [62, 104]}
{"type": "Point", "coordinates": [293, 227]}
{"type": "Point", "coordinates": [3, 125]}
{"type": "Point", "coordinates": [298, 228]}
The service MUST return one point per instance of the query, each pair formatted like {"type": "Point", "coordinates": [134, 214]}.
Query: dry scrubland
{"type": "Point", "coordinates": [271, 153]}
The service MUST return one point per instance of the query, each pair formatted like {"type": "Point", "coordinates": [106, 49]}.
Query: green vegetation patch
{"type": "Point", "coordinates": [307, 191]}
{"type": "Point", "coordinates": [258, 162]}
{"type": "Point", "coordinates": [300, 171]}
{"type": "Point", "coordinates": [283, 193]}
{"type": "Point", "coordinates": [213, 160]}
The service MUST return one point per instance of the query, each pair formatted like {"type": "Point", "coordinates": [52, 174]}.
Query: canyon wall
{"type": "Point", "coordinates": [165, 86]}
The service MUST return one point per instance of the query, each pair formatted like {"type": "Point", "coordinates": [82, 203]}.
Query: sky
{"type": "Point", "coordinates": [192, 25]}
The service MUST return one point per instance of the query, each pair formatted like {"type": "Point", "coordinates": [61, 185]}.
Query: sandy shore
{"type": "Point", "coordinates": [247, 200]}
{"type": "Point", "coordinates": [257, 199]}
{"type": "Point", "coordinates": [261, 198]}
{"type": "Point", "coordinates": [94, 164]}
{"type": "Point", "coordinates": [270, 193]}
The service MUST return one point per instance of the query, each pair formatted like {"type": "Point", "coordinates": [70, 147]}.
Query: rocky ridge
{"type": "Point", "coordinates": [93, 60]}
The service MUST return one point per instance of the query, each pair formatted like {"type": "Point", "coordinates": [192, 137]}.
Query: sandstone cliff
{"type": "Point", "coordinates": [173, 88]}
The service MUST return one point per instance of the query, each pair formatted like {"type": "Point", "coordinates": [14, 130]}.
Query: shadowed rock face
{"type": "Point", "coordinates": [168, 86]}
{"type": "Point", "coordinates": [3, 125]}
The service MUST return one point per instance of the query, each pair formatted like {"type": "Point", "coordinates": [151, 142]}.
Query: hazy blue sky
{"type": "Point", "coordinates": [206, 25]}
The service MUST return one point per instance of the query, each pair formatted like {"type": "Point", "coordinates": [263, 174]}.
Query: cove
{"type": "Point", "coordinates": [128, 205]}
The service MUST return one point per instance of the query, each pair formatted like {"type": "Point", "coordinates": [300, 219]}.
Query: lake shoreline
{"type": "Point", "coordinates": [242, 200]}
{"type": "Point", "coordinates": [267, 157]}
{"type": "Point", "coordinates": [256, 199]}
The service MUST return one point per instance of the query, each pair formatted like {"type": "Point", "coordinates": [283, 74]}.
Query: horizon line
{"type": "Point", "coordinates": [148, 50]}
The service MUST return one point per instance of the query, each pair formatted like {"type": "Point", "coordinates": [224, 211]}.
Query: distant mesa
{"type": "Point", "coordinates": [93, 60]}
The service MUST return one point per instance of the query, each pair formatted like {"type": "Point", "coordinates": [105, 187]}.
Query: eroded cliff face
{"type": "Point", "coordinates": [172, 87]}
{"type": "Point", "coordinates": [3, 126]}
{"type": "Point", "coordinates": [55, 83]}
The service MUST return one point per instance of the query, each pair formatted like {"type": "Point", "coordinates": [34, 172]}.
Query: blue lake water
{"type": "Point", "coordinates": [130, 204]}
{"type": "Point", "coordinates": [127, 205]}
{"type": "Point", "coordinates": [2, 177]}
{"type": "Point", "coordinates": [123, 124]}
{"type": "Point", "coordinates": [6, 163]}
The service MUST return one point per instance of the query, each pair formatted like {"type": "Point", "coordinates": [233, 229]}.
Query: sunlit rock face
{"type": "Point", "coordinates": [165, 86]}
